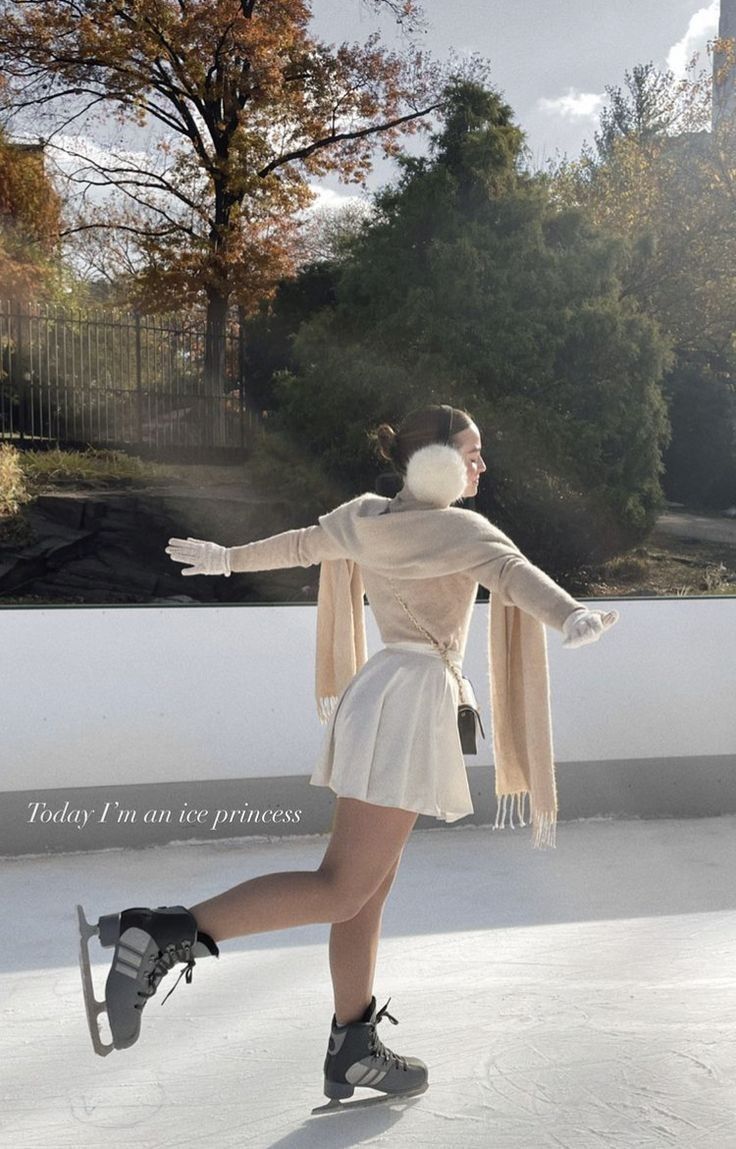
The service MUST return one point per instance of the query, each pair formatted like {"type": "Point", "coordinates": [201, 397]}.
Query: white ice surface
{"type": "Point", "coordinates": [574, 999]}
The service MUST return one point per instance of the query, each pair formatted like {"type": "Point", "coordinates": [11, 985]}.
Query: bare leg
{"type": "Point", "coordinates": [366, 841]}
{"type": "Point", "coordinates": [353, 952]}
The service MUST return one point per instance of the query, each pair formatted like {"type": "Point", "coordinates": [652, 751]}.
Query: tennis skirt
{"type": "Point", "coordinates": [393, 740]}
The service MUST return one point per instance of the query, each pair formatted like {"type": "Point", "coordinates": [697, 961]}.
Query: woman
{"type": "Point", "coordinates": [391, 749]}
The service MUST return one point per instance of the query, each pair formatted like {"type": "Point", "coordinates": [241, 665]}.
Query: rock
{"type": "Point", "coordinates": [60, 509]}
{"type": "Point", "coordinates": [57, 549]}
{"type": "Point", "coordinates": [108, 546]}
{"type": "Point", "coordinates": [87, 568]}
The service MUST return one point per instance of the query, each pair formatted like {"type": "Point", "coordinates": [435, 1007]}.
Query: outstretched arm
{"type": "Point", "coordinates": [520, 583]}
{"type": "Point", "coordinates": [298, 548]}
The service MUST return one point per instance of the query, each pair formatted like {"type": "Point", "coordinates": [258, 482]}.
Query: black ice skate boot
{"type": "Point", "coordinates": [356, 1056]}
{"type": "Point", "coordinates": [148, 943]}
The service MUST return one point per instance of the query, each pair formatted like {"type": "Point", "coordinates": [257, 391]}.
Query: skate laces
{"type": "Point", "coordinates": [383, 1012]}
{"type": "Point", "coordinates": [165, 962]}
{"type": "Point", "coordinates": [376, 1046]}
{"type": "Point", "coordinates": [186, 973]}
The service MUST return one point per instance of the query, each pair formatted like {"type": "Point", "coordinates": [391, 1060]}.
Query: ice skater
{"type": "Point", "coordinates": [391, 749]}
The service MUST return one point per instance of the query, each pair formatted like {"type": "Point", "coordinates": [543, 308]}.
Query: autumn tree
{"type": "Point", "coordinates": [249, 106]}
{"type": "Point", "coordinates": [29, 222]}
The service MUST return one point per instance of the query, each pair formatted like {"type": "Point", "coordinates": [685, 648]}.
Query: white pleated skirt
{"type": "Point", "coordinates": [392, 739]}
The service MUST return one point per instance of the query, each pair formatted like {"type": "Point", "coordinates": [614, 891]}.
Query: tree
{"type": "Point", "coordinates": [661, 178]}
{"type": "Point", "coordinates": [665, 180]}
{"type": "Point", "coordinates": [250, 106]}
{"type": "Point", "coordinates": [328, 232]}
{"type": "Point", "coordinates": [29, 222]}
{"type": "Point", "coordinates": [270, 334]}
{"type": "Point", "coordinates": [326, 243]}
{"type": "Point", "coordinates": [700, 461]}
{"type": "Point", "coordinates": [642, 110]}
{"type": "Point", "coordinates": [473, 286]}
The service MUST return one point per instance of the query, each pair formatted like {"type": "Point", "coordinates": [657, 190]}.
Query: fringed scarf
{"type": "Point", "coordinates": [341, 648]}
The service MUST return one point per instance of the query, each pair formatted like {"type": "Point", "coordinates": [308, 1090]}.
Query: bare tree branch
{"type": "Point", "coordinates": [71, 119]}
{"type": "Point", "coordinates": [156, 181]}
{"type": "Point", "coordinates": [160, 233]}
{"type": "Point", "coordinates": [338, 137]}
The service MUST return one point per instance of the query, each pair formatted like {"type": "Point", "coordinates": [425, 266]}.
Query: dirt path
{"type": "Point", "coordinates": [691, 525]}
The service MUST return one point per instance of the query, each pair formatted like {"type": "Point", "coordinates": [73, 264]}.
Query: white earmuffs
{"type": "Point", "coordinates": [436, 474]}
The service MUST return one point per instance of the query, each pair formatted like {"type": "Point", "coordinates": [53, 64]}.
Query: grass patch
{"type": "Point", "coordinates": [629, 566]}
{"type": "Point", "coordinates": [26, 474]}
{"type": "Point", "coordinates": [58, 468]}
{"type": "Point", "coordinates": [668, 566]}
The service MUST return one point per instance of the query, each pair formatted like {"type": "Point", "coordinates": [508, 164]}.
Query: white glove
{"type": "Point", "coordinates": [206, 558]}
{"type": "Point", "coordinates": [583, 625]}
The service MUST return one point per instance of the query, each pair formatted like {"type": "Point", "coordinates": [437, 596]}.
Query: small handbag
{"type": "Point", "coordinates": [468, 719]}
{"type": "Point", "coordinates": [468, 716]}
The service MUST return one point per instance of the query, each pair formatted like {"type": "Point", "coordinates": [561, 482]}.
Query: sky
{"type": "Point", "coordinates": [551, 59]}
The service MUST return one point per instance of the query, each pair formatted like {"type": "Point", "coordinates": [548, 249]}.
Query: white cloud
{"type": "Point", "coordinates": [573, 106]}
{"type": "Point", "coordinates": [329, 199]}
{"type": "Point", "coordinates": [74, 150]}
{"type": "Point", "coordinates": [71, 151]}
{"type": "Point", "coordinates": [703, 26]}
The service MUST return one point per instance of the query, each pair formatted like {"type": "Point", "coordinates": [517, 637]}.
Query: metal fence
{"type": "Point", "coordinates": [119, 380]}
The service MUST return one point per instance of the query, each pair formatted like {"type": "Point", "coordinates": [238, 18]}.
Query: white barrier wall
{"type": "Point", "coordinates": [121, 696]}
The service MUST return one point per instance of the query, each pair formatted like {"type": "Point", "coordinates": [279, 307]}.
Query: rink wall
{"type": "Point", "coordinates": [141, 725]}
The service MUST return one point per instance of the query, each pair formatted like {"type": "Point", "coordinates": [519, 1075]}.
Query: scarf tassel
{"type": "Point", "coordinates": [326, 707]}
{"type": "Point", "coordinates": [544, 822]}
{"type": "Point", "coordinates": [505, 810]}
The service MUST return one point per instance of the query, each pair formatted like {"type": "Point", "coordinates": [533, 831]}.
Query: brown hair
{"type": "Point", "coordinates": [434, 424]}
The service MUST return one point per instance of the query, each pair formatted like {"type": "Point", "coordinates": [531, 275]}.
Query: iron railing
{"type": "Point", "coordinates": [120, 380]}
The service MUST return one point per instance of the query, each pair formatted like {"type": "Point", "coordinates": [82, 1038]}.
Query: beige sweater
{"type": "Point", "coordinates": [437, 557]}
{"type": "Point", "coordinates": [443, 602]}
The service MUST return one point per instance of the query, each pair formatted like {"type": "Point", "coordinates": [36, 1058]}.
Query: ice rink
{"type": "Point", "coordinates": [569, 999]}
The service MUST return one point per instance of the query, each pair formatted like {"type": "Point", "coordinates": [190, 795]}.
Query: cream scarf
{"type": "Point", "coordinates": [517, 644]}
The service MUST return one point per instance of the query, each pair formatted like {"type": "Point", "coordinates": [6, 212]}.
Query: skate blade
{"type": "Point", "coordinates": [334, 1105]}
{"type": "Point", "coordinates": [93, 1008]}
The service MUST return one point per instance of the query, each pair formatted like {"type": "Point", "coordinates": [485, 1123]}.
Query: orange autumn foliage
{"type": "Point", "coordinates": [251, 106]}
{"type": "Point", "coordinates": [29, 221]}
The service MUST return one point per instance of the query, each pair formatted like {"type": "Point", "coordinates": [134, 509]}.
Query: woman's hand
{"type": "Point", "coordinates": [583, 625]}
{"type": "Point", "coordinates": [206, 558]}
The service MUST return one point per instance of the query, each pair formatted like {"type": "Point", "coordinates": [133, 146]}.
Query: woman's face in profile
{"type": "Point", "coordinates": [468, 443]}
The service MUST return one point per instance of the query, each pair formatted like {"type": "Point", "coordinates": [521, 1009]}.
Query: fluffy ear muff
{"type": "Point", "coordinates": [436, 474]}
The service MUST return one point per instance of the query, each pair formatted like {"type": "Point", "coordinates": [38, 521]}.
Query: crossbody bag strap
{"type": "Point", "coordinates": [423, 630]}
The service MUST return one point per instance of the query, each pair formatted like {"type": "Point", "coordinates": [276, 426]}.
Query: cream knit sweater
{"type": "Point", "coordinates": [443, 602]}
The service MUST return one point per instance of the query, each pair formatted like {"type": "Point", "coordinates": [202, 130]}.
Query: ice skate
{"type": "Point", "coordinates": [357, 1057]}
{"type": "Point", "coordinates": [148, 943]}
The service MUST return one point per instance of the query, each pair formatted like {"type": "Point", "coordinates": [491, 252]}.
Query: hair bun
{"type": "Point", "coordinates": [386, 441]}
